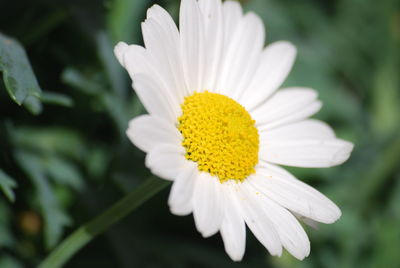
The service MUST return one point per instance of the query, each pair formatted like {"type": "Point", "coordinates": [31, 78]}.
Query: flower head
{"type": "Point", "coordinates": [219, 128]}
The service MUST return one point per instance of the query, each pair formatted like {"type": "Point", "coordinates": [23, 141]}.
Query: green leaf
{"type": "Point", "coordinates": [63, 172]}
{"type": "Point", "coordinates": [7, 184]}
{"type": "Point", "coordinates": [49, 140]}
{"type": "Point", "coordinates": [33, 105]}
{"type": "Point", "coordinates": [55, 220]}
{"type": "Point", "coordinates": [75, 79]}
{"type": "Point", "coordinates": [19, 79]}
{"type": "Point", "coordinates": [57, 99]}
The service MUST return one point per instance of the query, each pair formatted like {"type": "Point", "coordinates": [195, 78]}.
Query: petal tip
{"type": "Point", "coordinates": [235, 257]}
{"type": "Point", "coordinates": [343, 154]}
{"type": "Point", "coordinates": [335, 215]}
{"type": "Point", "coordinates": [119, 52]}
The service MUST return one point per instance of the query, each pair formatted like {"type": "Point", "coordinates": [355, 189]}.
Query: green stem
{"type": "Point", "coordinates": [101, 223]}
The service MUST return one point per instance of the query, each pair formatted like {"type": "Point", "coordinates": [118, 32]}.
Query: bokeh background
{"type": "Point", "coordinates": [64, 156]}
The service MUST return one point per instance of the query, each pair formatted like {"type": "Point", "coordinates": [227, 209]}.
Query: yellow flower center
{"type": "Point", "coordinates": [220, 135]}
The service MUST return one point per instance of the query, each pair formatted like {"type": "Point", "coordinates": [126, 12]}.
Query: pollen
{"type": "Point", "coordinates": [220, 135]}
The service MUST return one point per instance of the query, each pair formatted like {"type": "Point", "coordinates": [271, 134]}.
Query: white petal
{"type": "Point", "coordinates": [316, 153]}
{"type": "Point", "coordinates": [258, 221]}
{"type": "Point", "coordinates": [283, 104]}
{"type": "Point", "coordinates": [306, 129]}
{"type": "Point", "coordinates": [242, 56]}
{"type": "Point", "coordinates": [276, 63]}
{"type": "Point", "coordinates": [165, 21]}
{"type": "Point", "coordinates": [233, 228]}
{"type": "Point", "coordinates": [157, 104]}
{"type": "Point", "coordinates": [302, 114]}
{"type": "Point", "coordinates": [192, 45]}
{"type": "Point", "coordinates": [207, 206]}
{"type": "Point", "coordinates": [232, 14]}
{"type": "Point", "coordinates": [161, 38]}
{"type": "Point", "coordinates": [136, 60]}
{"type": "Point", "coordinates": [119, 51]}
{"type": "Point", "coordinates": [180, 197]}
{"type": "Point", "coordinates": [147, 132]}
{"type": "Point", "coordinates": [291, 234]}
{"type": "Point", "coordinates": [286, 190]}
{"type": "Point", "coordinates": [232, 17]}
{"type": "Point", "coordinates": [159, 49]}
{"type": "Point", "coordinates": [166, 161]}
{"type": "Point", "coordinates": [211, 11]}
{"type": "Point", "coordinates": [308, 143]}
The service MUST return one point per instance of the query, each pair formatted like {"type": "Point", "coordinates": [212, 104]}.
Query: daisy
{"type": "Point", "coordinates": [219, 128]}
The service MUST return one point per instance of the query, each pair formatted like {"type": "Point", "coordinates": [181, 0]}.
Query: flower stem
{"type": "Point", "coordinates": [75, 241]}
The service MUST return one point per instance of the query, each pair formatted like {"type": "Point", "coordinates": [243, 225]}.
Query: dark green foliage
{"type": "Point", "coordinates": [67, 158]}
{"type": "Point", "coordinates": [7, 184]}
{"type": "Point", "coordinates": [18, 75]}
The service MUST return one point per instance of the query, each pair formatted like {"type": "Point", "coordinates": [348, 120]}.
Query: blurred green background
{"type": "Point", "coordinates": [64, 156]}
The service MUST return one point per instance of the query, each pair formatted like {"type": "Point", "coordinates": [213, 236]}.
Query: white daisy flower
{"type": "Point", "coordinates": [219, 128]}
